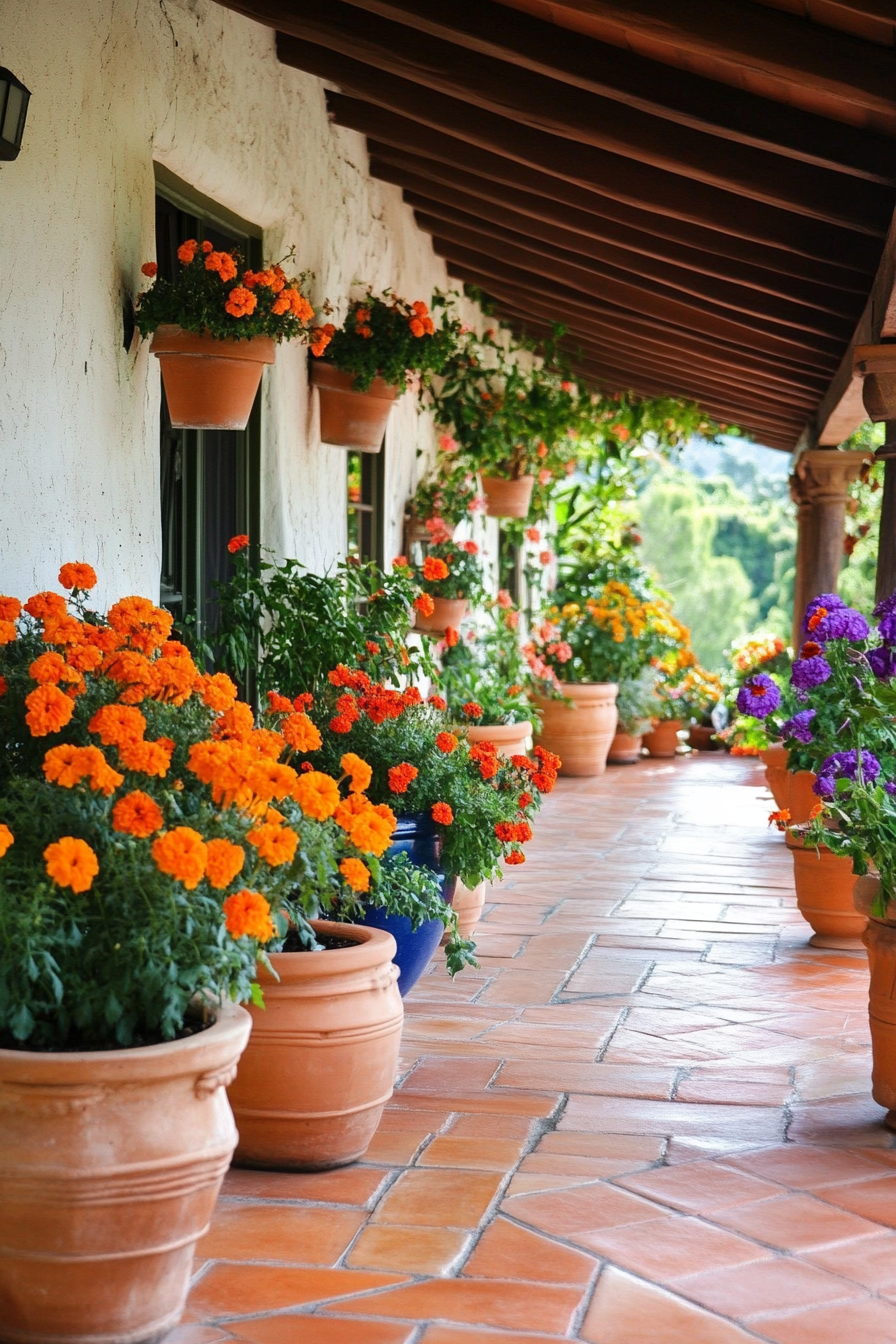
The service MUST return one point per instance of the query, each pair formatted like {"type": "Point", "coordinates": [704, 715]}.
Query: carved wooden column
{"type": "Point", "coordinates": [805, 547]}
{"type": "Point", "coordinates": [825, 474]}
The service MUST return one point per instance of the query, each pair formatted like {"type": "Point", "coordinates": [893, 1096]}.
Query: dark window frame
{"type": "Point", "coordinates": [366, 539]}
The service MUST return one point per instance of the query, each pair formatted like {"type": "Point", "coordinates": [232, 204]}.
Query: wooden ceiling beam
{"type": "Point", "coordinates": [557, 244]}
{"type": "Point", "coordinates": [780, 56]}
{"type": "Point", "coordinates": [392, 51]}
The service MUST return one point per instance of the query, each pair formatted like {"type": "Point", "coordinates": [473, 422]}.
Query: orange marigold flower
{"type": "Point", "coordinates": [6, 839]}
{"type": "Point", "coordinates": [67, 765]}
{"type": "Point", "coordinates": [218, 692]}
{"type": "Point", "coordinates": [66, 630]}
{"type": "Point", "coordinates": [268, 780]}
{"type": "Point", "coordinates": [137, 814]}
{"type": "Point", "coordinates": [174, 675]}
{"type": "Point", "coordinates": [303, 702]}
{"type": "Point", "coordinates": [241, 302]}
{"type": "Point", "coordinates": [267, 743]}
{"type": "Point", "coordinates": [371, 831]}
{"type": "Point", "coordinates": [48, 711]}
{"type": "Point", "coordinates": [446, 742]}
{"type": "Point", "coordinates": [424, 604]}
{"type": "Point", "coordinates": [238, 543]}
{"type": "Point", "coordinates": [435, 569]}
{"type": "Point", "coordinates": [182, 854]}
{"type": "Point", "coordinates": [417, 327]}
{"type": "Point", "coordinates": [77, 575]}
{"type": "Point", "coordinates": [438, 702]}
{"type": "Point", "coordinates": [118, 724]}
{"type": "Point", "coordinates": [525, 799]}
{"type": "Point", "coordinates": [451, 636]}
{"type": "Point", "coordinates": [317, 795]}
{"type": "Point", "coordinates": [44, 605]}
{"type": "Point", "coordinates": [356, 874]}
{"type": "Point", "coordinates": [276, 844]}
{"type": "Point", "coordinates": [10, 608]}
{"type": "Point", "coordinates": [147, 758]}
{"type": "Point", "coordinates": [340, 724]}
{"type": "Point", "coordinates": [71, 863]}
{"type": "Point", "coordinates": [187, 251]}
{"type": "Point", "coordinates": [248, 915]}
{"type": "Point", "coordinates": [279, 704]}
{"type": "Point", "coordinates": [223, 263]}
{"type": "Point", "coordinates": [150, 268]}
{"type": "Point", "coordinates": [401, 776]}
{"type": "Point", "coordinates": [301, 733]}
{"type": "Point", "coordinates": [358, 770]}
{"type": "Point", "coordinates": [349, 808]}
{"type": "Point", "coordinates": [515, 856]}
{"type": "Point", "coordinates": [471, 710]}
{"type": "Point", "coordinates": [816, 811]}
{"type": "Point", "coordinates": [84, 657]}
{"type": "Point", "coordinates": [419, 308]}
{"type": "Point", "coordinates": [779, 819]}
{"type": "Point", "coordinates": [237, 722]}
{"type": "Point", "coordinates": [8, 632]}
{"type": "Point", "coordinates": [50, 668]}
{"type": "Point", "coordinates": [441, 812]}
{"type": "Point", "coordinates": [144, 625]}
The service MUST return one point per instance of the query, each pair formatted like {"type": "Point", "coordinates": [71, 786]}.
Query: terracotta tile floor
{"type": "Point", "coordinates": [646, 1118]}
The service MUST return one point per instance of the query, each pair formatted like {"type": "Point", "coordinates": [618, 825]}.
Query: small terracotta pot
{"type": "Point", "coordinates": [625, 749]}
{"type": "Point", "coordinates": [776, 776]}
{"type": "Point", "coordinates": [468, 906]}
{"type": "Point", "coordinates": [580, 733]}
{"type": "Point", "coordinates": [348, 418]}
{"type": "Point", "coordinates": [110, 1165]}
{"type": "Point", "coordinates": [210, 384]}
{"type": "Point", "coordinates": [703, 738]}
{"type": "Point", "coordinates": [508, 499]}
{"type": "Point", "coordinates": [877, 365]}
{"type": "Point", "coordinates": [321, 1062]}
{"type": "Point", "coordinates": [824, 893]}
{"type": "Point", "coordinates": [510, 739]}
{"type": "Point", "coordinates": [800, 799]}
{"type": "Point", "coordinates": [447, 611]}
{"type": "Point", "coordinates": [663, 739]}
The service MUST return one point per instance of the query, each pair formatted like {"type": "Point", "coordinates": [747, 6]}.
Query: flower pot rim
{"type": "Point", "coordinates": [324, 373]}
{"type": "Point", "coordinates": [371, 949]}
{"type": "Point", "coordinates": [502, 731]}
{"type": "Point", "coordinates": [171, 339]}
{"type": "Point", "coordinates": [526, 478]}
{"type": "Point", "coordinates": [164, 1059]}
{"type": "Point", "coordinates": [608, 685]}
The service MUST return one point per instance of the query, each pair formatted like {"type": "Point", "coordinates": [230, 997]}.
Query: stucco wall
{"type": "Point", "coordinates": [117, 84]}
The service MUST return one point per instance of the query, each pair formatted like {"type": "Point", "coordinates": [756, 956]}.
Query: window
{"type": "Point", "coordinates": [210, 479]}
{"type": "Point", "coordinates": [365, 489]}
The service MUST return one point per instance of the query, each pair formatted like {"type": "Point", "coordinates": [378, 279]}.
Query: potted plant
{"type": "Point", "coordinates": [634, 707]}
{"type": "Point", "coordinates": [134, 901]}
{"type": "Point", "coordinates": [215, 326]}
{"type": "Point", "coordinates": [368, 359]}
{"type": "Point", "coordinates": [450, 576]}
{"type": "Point", "coordinates": [747, 735]}
{"type": "Point", "coordinates": [701, 692]}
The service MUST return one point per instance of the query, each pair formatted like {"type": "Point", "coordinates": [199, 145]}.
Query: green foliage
{"type": "Point", "coordinates": [858, 577]}
{"type": "Point", "coordinates": [464, 577]}
{"type": "Point", "coordinates": [197, 297]}
{"type": "Point", "coordinates": [404, 888]}
{"type": "Point", "coordinates": [488, 667]}
{"type": "Point", "coordinates": [387, 337]}
{"type": "Point", "coordinates": [635, 702]}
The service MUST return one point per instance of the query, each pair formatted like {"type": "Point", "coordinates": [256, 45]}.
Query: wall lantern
{"type": "Point", "coordinates": [13, 110]}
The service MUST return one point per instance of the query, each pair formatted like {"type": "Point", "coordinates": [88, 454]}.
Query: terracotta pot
{"type": "Point", "coordinates": [447, 611]}
{"type": "Point", "coordinates": [800, 799]}
{"type": "Point", "coordinates": [625, 749]}
{"type": "Point", "coordinates": [824, 893]}
{"type": "Point", "coordinates": [508, 499]}
{"type": "Point", "coordinates": [776, 776]}
{"type": "Point", "coordinates": [321, 1062]}
{"type": "Point", "coordinates": [877, 365]}
{"type": "Point", "coordinates": [110, 1165]}
{"type": "Point", "coordinates": [468, 906]}
{"type": "Point", "coordinates": [210, 384]}
{"type": "Point", "coordinates": [880, 940]}
{"type": "Point", "coordinates": [348, 418]}
{"type": "Point", "coordinates": [702, 738]}
{"type": "Point", "coordinates": [511, 739]}
{"type": "Point", "coordinates": [663, 740]}
{"type": "Point", "coordinates": [580, 733]}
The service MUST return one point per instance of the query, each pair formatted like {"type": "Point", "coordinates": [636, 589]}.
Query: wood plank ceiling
{"type": "Point", "coordinates": [700, 189]}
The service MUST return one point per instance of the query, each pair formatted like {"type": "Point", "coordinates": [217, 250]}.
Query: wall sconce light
{"type": "Point", "coordinates": [13, 110]}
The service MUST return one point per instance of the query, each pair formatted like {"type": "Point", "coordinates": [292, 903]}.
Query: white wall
{"type": "Point", "coordinates": [116, 85]}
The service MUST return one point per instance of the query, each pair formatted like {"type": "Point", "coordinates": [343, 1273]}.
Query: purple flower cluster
{"type": "Point", "coordinates": [759, 696]}
{"type": "Point", "coordinates": [830, 602]}
{"type": "Point", "coordinates": [798, 727]}
{"type": "Point", "coordinates": [842, 623]}
{"type": "Point", "coordinates": [844, 765]}
{"type": "Point", "coordinates": [882, 662]}
{"type": "Point", "coordinates": [809, 672]}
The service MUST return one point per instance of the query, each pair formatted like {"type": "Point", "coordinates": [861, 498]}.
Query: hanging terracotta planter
{"type": "Point", "coordinates": [506, 498]}
{"type": "Point", "coordinates": [625, 749]}
{"type": "Point", "coordinates": [580, 733]}
{"type": "Point", "coordinates": [321, 1062]}
{"type": "Point", "coordinates": [110, 1165]}
{"type": "Point", "coordinates": [510, 739]}
{"type": "Point", "coordinates": [776, 777]}
{"type": "Point", "coordinates": [447, 611]}
{"type": "Point", "coordinates": [824, 894]}
{"type": "Point", "coordinates": [702, 737]}
{"type": "Point", "coordinates": [877, 365]}
{"type": "Point", "coordinates": [348, 418]}
{"type": "Point", "coordinates": [800, 800]}
{"type": "Point", "coordinates": [210, 384]}
{"type": "Point", "coordinates": [662, 740]}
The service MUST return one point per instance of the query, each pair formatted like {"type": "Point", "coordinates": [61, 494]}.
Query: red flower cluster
{"type": "Point", "coordinates": [402, 776]}
{"type": "Point", "coordinates": [486, 757]}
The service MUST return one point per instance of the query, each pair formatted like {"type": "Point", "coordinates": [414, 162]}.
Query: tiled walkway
{"type": "Point", "coordinates": [646, 1120]}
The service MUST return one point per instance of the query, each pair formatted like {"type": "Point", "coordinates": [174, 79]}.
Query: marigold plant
{"type": "Point", "coordinates": [386, 337]}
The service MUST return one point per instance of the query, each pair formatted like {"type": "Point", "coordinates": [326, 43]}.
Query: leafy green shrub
{"type": "Point", "coordinates": [387, 337]}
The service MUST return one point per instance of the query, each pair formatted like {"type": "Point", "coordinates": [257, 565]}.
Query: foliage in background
{"type": "Point", "coordinates": [858, 577]}
{"type": "Point", "coordinates": [488, 668]}
{"type": "Point", "coordinates": [386, 337]}
{"type": "Point", "coordinates": [763, 652]}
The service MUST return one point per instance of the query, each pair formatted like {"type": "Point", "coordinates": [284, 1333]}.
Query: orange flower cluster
{"type": "Point", "coordinates": [435, 569]}
{"type": "Point", "coordinates": [76, 575]}
{"type": "Point", "coordinates": [224, 861]}
{"type": "Point", "coordinates": [401, 777]}
{"type": "Point", "coordinates": [300, 733]}
{"type": "Point", "coordinates": [446, 742]}
{"type": "Point", "coordinates": [369, 826]}
{"type": "Point", "coordinates": [248, 915]}
{"type": "Point", "coordinates": [222, 262]}
{"type": "Point", "coordinates": [485, 755]}
{"type": "Point", "coordinates": [7, 839]}
{"type": "Point", "coordinates": [123, 726]}
{"type": "Point", "coordinates": [218, 692]}
{"type": "Point", "coordinates": [182, 854]}
{"type": "Point", "coordinates": [779, 819]}
{"type": "Point", "coordinates": [362, 317]}
{"type": "Point", "coordinates": [359, 772]}
{"type": "Point", "coordinates": [49, 710]}
{"type": "Point", "coordinates": [244, 769]}
{"type": "Point", "coordinates": [356, 874]}
{"type": "Point", "coordinates": [471, 710]}
{"type": "Point", "coordinates": [321, 338]}
{"type": "Point", "coordinates": [71, 863]}
{"type": "Point", "coordinates": [513, 832]}
{"type": "Point", "coordinates": [441, 812]}
{"type": "Point", "coordinates": [275, 843]}
{"type": "Point", "coordinates": [67, 765]}
{"type": "Point", "coordinates": [421, 323]}
{"type": "Point", "coordinates": [424, 604]}
{"type": "Point", "coordinates": [241, 302]}
{"type": "Point", "coordinates": [317, 794]}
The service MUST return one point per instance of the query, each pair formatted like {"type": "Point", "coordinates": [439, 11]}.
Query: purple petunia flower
{"type": "Point", "coordinates": [887, 628]}
{"type": "Point", "coordinates": [845, 765]}
{"type": "Point", "coordinates": [809, 672]}
{"type": "Point", "coordinates": [824, 786]}
{"type": "Point", "coordinates": [886, 607]}
{"type": "Point", "coordinates": [830, 602]}
{"type": "Point", "coordinates": [842, 623]}
{"type": "Point", "coordinates": [882, 662]}
{"type": "Point", "coordinates": [759, 696]}
{"type": "Point", "coordinates": [798, 727]}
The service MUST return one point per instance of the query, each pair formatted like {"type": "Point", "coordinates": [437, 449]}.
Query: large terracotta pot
{"type": "Point", "coordinates": [702, 737]}
{"type": "Point", "coordinates": [877, 365]}
{"type": "Point", "coordinates": [580, 733]}
{"type": "Point", "coordinates": [468, 906]}
{"type": "Point", "coordinates": [110, 1165]}
{"type": "Point", "coordinates": [776, 777]}
{"type": "Point", "coordinates": [625, 749]}
{"type": "Point", "coordinates": [210, 384]}
{"type": "Point", "coordinates": [348, 418]}
{"type": "Point", "coordinates": [508, 499]}
{"type": "Point", "coordinates": [663, 739]}
{"type": "Point", "coordinates": [510, 739]}
{"type": "Point", "coordinates": [824, 893]}
{"type": "Point", "coordinates": [321, 1063]}
{"type": "Point", "coordinates": [800, 799]}
{"type": "Point", "coordinates": [446, 611]}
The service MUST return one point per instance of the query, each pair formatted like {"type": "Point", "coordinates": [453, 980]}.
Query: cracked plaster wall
{"type": "Point", "coordinates": [117, 84]}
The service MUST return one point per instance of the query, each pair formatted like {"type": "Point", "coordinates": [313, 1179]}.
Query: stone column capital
{"type": "Point", "coordinates": [824, 474]}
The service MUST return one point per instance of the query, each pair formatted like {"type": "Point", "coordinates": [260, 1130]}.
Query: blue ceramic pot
{"type": "Point", "coordinates": [417, 836]}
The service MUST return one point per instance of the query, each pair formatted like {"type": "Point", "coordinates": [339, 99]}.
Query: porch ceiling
{"type": "Point", "coordinates": [701, 191]}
